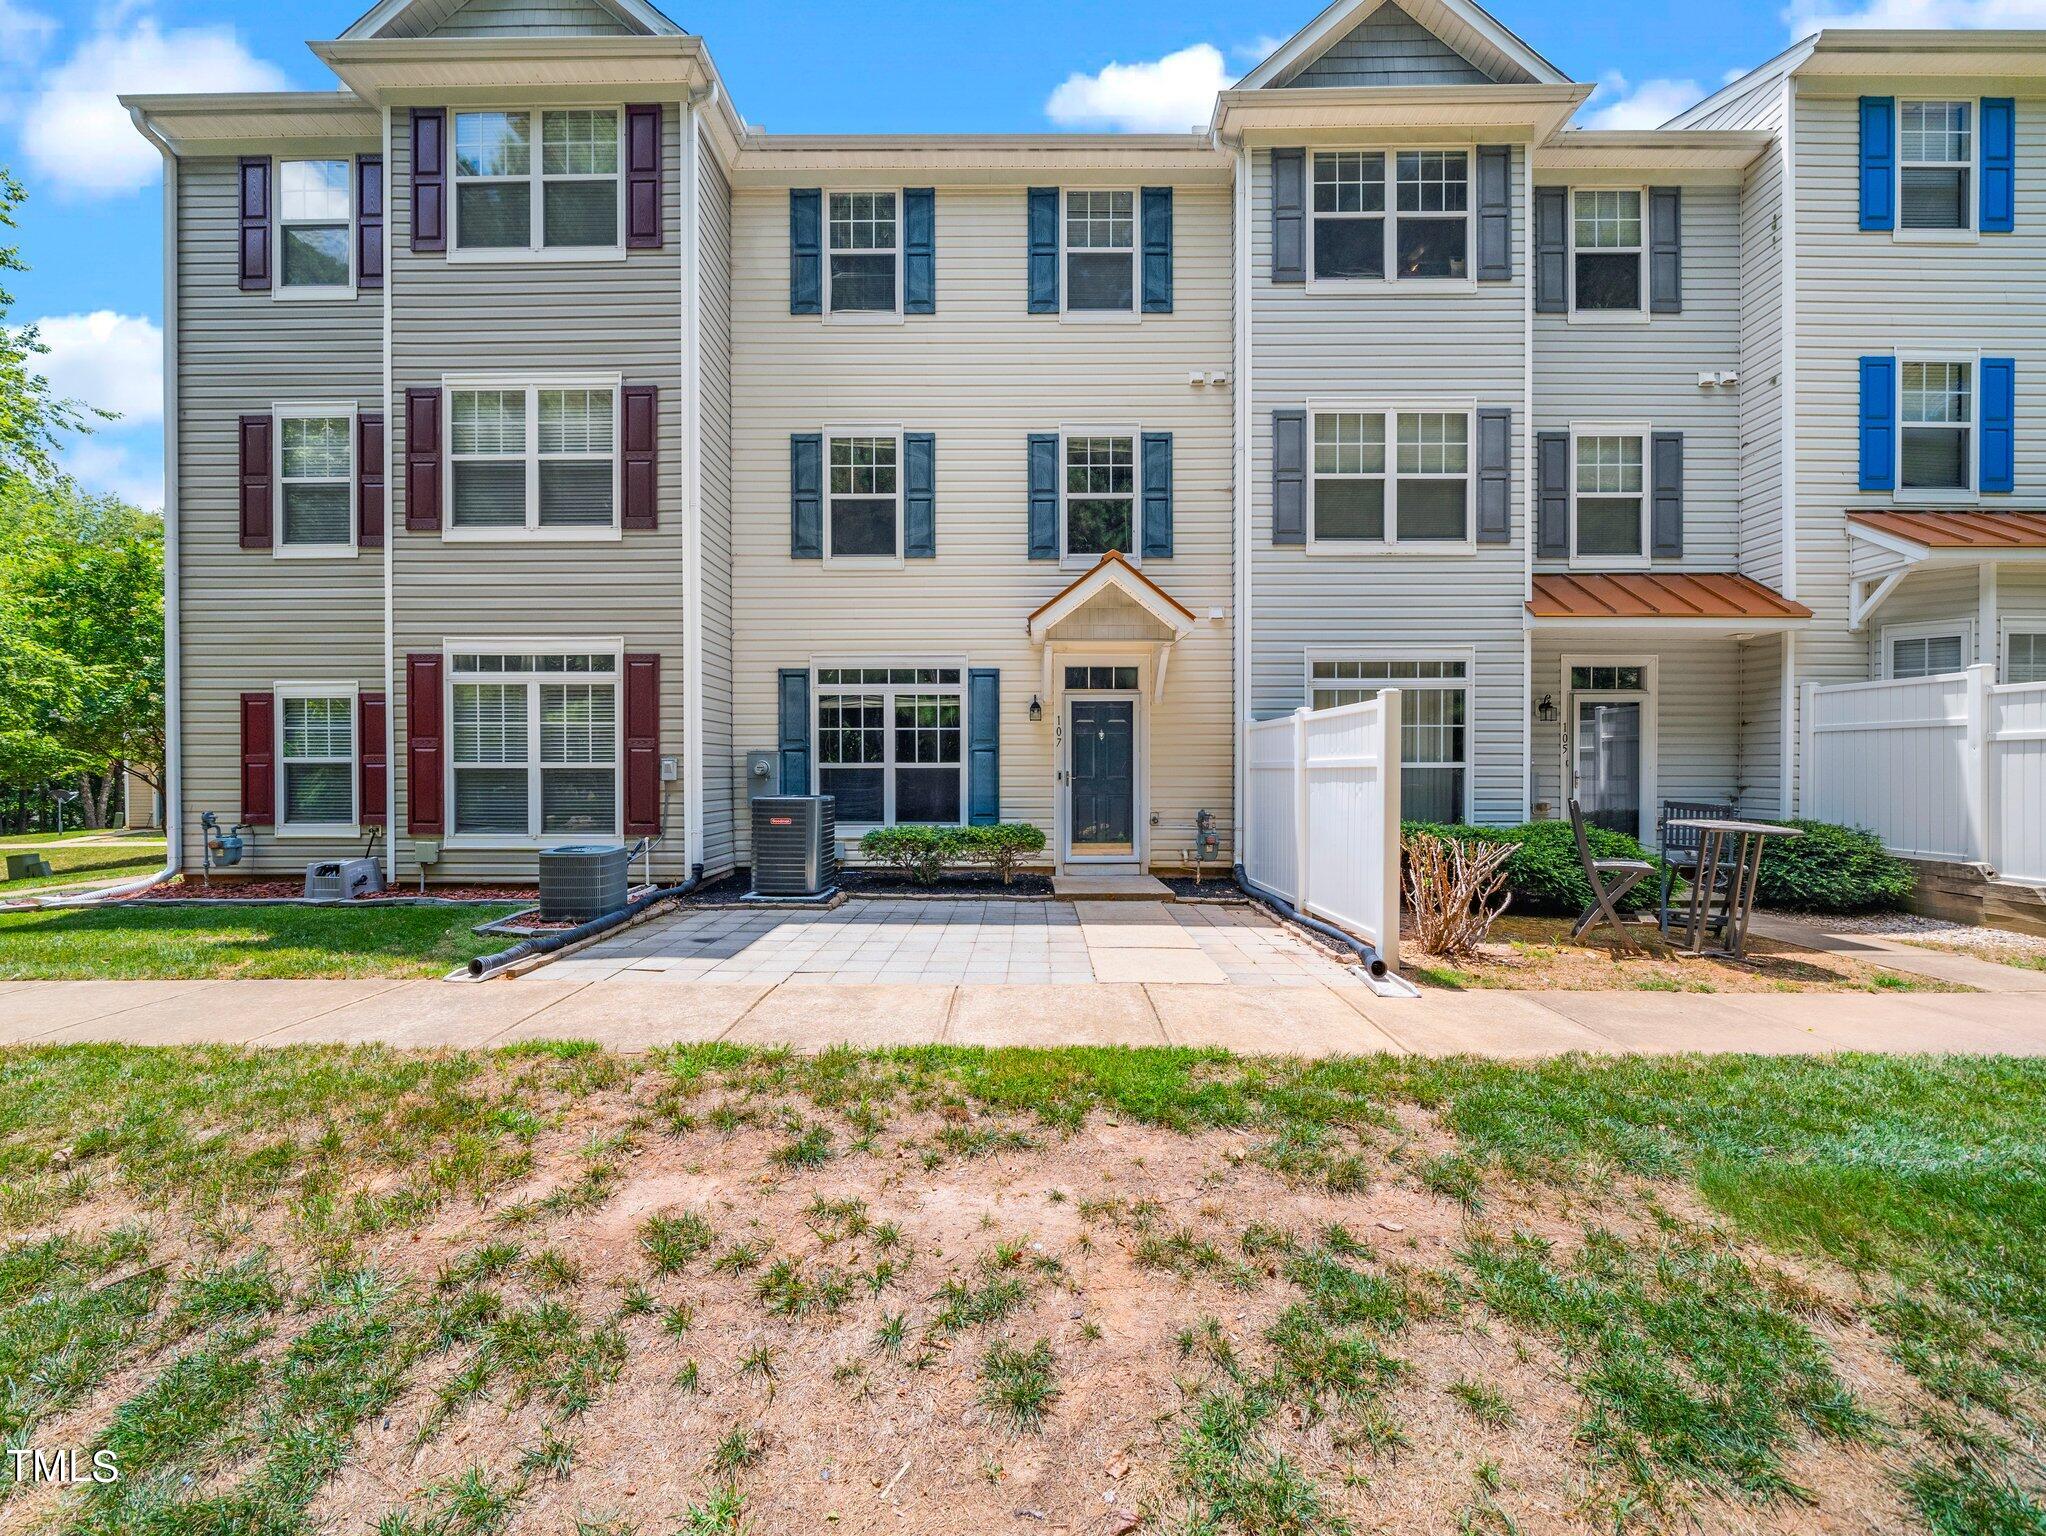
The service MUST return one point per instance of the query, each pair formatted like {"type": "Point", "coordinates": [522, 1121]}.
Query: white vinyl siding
{"type": "Point", "coordinates": [560, 196]}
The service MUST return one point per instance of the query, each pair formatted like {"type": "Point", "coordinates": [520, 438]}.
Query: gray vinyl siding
{"type": "Point", "coordinates": [1756, 107]}
{"type": "Point", "coordinates": [1761, 743]}
{"type": "Point", "coordinates": [1390, 48]}
{"type": "Point", "coordinates": [250, 619]}
{"type": "Point", "coordinates": [720, 776]}
{"type": "Point", "coordinates": [1949, 596]}
{"type": "Point", "coordinates": [623, 315]}
{"type": "Point", "coordinates": [543, 18]}
{"type": "Point", "coordinates": [1461, 346]}
{"type": "Point", "coordinates": [1762, 384]}
{"type": "Point", "coordinates": [1591, 371]}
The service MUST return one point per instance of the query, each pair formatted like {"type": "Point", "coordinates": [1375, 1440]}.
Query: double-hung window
{"type": "Point", "coordinates": [1390, 478]}
{"type": "Point", "coordinates": [559, 196]}
{"type": "Point", "coordinates": [1936, 423]}
{"type": "Point", "coordinates": [316, 759]}
{"type": "Point", "coordinates": [1349, 476]}
{"type": "Point", "coordinates": [2024, 652]}
{"type": "Point", "coordinates": [1432, 213]}
{"type": "Point", "coordinates": [1606, 259]}
{"type": "Point", "coordinates": [866, 250]}
{"type": "Point", "coordinates": [891, 744]}
{"type": "Point", "coordinates": [1426, 234]}
{"type": "Point", "coordinates": [315, 229]}
{"type": "Point", "coordinates": [1935, 165]}
{"type": "Point", "coordinates": [1434, 716]}
{"type": "Point", "coordinates": [315, 479]}
{"type": "Point", "coordinates": [533, 458]}
{"type": "Point", "coordinates": [1101, 251]}
{"type": "Point", "coordinates": [1609, 514]}
{"type": "Point", "coordinates": [1100, 501]}
{"type": "Point", "coordinates": [863, 520]}
{"type": "Point", "coordinates": [534, 744]}
{"type": "Point", "coordinates": [1349, 215]}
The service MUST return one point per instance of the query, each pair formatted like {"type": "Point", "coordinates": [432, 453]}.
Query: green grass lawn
{"type": "Point", "coordinates": [43, 839]}
{"type": "Point", "coordinates": [136, 940]}
{"type": "Point", "coordinates": [72, 861]}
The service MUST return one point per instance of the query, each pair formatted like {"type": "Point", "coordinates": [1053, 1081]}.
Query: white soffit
{"type": "Point", "coordinates": [191, 123]}
{"type": "Point", "coordinates": [1583, 149]}
{"type": "Point", "coordinates": [1535, 111]}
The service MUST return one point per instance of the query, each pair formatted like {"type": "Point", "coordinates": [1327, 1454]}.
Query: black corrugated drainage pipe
{"type": "Point", "coordinates": [1368, 953]}
{"type": "Point", "coordinates": [549, 943]}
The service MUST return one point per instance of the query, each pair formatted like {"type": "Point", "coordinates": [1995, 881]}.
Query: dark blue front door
{"type": "Point", "coordinates": [1104, 776]}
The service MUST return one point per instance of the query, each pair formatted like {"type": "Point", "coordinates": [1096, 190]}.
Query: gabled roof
{"type": "Point", "coordinates": [416, 18]}
{"type": "Point", "coordinates": [1112, 570]}
{"type": "Point", "coordinates": [1465, 27]}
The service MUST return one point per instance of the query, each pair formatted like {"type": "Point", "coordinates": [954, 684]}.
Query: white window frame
{"type": "Point", "coordinates": [1638, 316]}
{"type": "Point", "coordinates": [348, 411]}
{"type": "Point", "coordinates": [893, 316]}
{"type": "Point", "coordinates": [1931, 629]}
{"type": "Point", "coordinates": [1971, 459]}
{"type": "Point", "coordinates": [614, 648]}
{"type": "Point", "coordinates": [1388, 264]}
{"type": "Point", "coordinates": [532, 384]}
{"type": "Point", "coordinates": [353, 694]}
{"type": "Point", "coordinates": [1392, 544]}
{"type": "Point", "coordinates": [1135, 313]}
{"type": "Point", "coordinates": [1067, 559]}
{"type": "Point", "coordinates": [849, 831]}
{"type": "Point", "coordinates": [2008, 627]}
{"type": "Point", "coordinates": [1650, 695]}
{"type": "Point", "coordinates": [1380, 655]}
{"type": "Point", "coordinates": [884, 562]}
{"type": "Point", "coordinates": [1645, 433]}
{"type": "Point", "coordinates": [279, 292]}
{"type": "Point", "coordinates": [1962, 234]}
{"type": "Point", "coordinates": [534, 249]}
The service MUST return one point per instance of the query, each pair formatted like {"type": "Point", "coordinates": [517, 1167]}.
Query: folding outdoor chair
{"type": "Point", "coordinates": [1680, 849]}
{"type": "Point", "coordinates": [1625, 875]}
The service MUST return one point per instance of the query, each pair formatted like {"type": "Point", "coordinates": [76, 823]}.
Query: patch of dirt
{"type": "Point", "coordinates": [187, 888]}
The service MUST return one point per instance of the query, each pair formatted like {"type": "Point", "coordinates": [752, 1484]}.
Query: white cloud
{"type": "Point", "coordinates": [1807, 16]}
{"type": "Point", "coordinates": [108, 361]}
{"type": "Point", "coordinates": [1168, 95]}
{"type": "Point", "coordinates": [24, 33]}
{"type": "Point", "coordinates": [78, 136]}
{"type": "Point", "coordinates": [131, 471]}
{"type": "Point", "coordinates": [1617, 104]}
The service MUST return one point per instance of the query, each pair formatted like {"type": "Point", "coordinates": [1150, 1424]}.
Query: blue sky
{"type": "Point", "coordinates": [91, 230]}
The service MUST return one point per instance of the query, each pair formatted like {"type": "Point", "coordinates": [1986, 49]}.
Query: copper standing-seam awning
{"type": "Point", "coordinates": [1958, 530]}
{"type": "Point", "coordinates": [1648, 596]}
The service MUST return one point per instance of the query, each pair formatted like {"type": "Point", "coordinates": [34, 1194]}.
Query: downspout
{"type": "Point", "coordinates": [1790, 769]}
{"type": "Point", "coordinates": [1527, 493]}
{"type": "Point", "coordinates": [691, 192]}
{"type": "Point", "coordinates": [1240, 704]}
{"type": "Point", "coordinates": [391, 424]}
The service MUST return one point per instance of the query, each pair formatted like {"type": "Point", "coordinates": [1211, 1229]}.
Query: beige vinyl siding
{"type": "Point", "coordinates": [983, 373]}
{"type": "Point", "coordinates": [250, 619]}
{"type": "Point", "coordinates": [1409, 348]}
{"type": "Point", "coordinates": [1598, 371]}
{"type": "Point", "coordinates": [720, 782]}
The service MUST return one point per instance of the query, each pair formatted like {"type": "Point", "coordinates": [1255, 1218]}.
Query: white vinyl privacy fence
{"type": "Point", "coordinates": [1949, 767]}
{"type": "Point", "coordinates": [1322, 831]}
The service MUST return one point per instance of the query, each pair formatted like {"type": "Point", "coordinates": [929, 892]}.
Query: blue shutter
{"type": "Point", "coordinates": [1666, 507]}
{"type": "Point", "coordinates": [1999, 423]}
{"type": "Point", "coordinates": [984, 746]}
{"type": "Point", "coordinates": [1552, 250]}
{"type": "Point", "coordinates": [919, 251]}
{"type": "Point", "coordinates": [1044, 495]}
{"type": "Point", "coordinates": [1878, 162]}
{"type": "Point", "coordinates": [793, 693]}
{"type": "Point", "coordinates": [920, 495]}
{"type": "Point", "coordinates": [1157, 250]}
{"type": "Point", "coordinates": [806, 251]}
{"type": "Point", "coordinates": [806, 496]}
{"type": "Point", "coordinates": [1157, 450]}
{"type": "Point", "coordinates": [1878, 423]}
{"type": "Point", "coordinates": [1044, 250]}
{"type": "Point", "coordinates": [1999, 165]}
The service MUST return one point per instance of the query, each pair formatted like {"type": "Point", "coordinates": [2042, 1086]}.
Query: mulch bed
{"type": "Point", "coordinates": [1216, 887]}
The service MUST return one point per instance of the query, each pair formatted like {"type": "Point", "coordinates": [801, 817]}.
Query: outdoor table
{"type": "Point", "coordinates": [1742, 876]}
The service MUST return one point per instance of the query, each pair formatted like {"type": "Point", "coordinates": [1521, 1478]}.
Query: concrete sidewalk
{"type": "Point", "coordinates": [636, 1010]}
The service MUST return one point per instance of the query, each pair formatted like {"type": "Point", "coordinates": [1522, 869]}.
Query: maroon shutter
{"type": "Point", "coordinates": [369, 480]}
{"type": "Point", "coordinates": [643, 208]}
{"type": "Point", "coordinates": [259, 759]}
{"type": "Point", "coordinates": [369, 221]}
{"type": "Point", "coordinates": [255, 223]}
{"type": "Point", "coordinates": [429, 179]}
{"type": "Point", "coordinates": [642, 744]}
{"type": "Point", "coordinates": [422, 459]}
{"type": "Point", "coordinates": [372, 777]}
{"type": "Point", "coordinates": [640, 438]}
{"type": "Point", "coordinates": [255, 482]}
{"type": "Point", "coordinates": [424, 789]}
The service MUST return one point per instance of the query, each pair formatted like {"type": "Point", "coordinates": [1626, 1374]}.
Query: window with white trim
{"type": "Point", "coordinates": [1349, 215]}
{"type": "Point", "coordinates": [1609, 507]}
{"type": "Point", "coordinates": [565, 198]}
{"type": "Point", "coordinates": [1935, 426]}
{"type": "Point", "coordinates": [891, 744]}
{"type": "Point", "coordinates": [1099, 508]}
{"type": "Point", "coordinates": [1924, 652]}
{"type": "Point", "coordinates": [533, 458]}
{"type": "Point", "coordinates": [1418, 494]}
{"type": "Point", "coordinates": [315, 227]}
{"type": "Point", "coordinates": [865, 253]}
{"type": "Point", "coordinates": [534, 747]}
{"type": "Point", "coordinates": [1349, 476]}
{"type": "Point", "coordinates": [863, 515]}
{"type": "Point", "coordinates": [1432, 218]}
{"type": "Point", "coordinates": [1434, 722]}
{"type": "Point", "coordinates": [316, 759]}
{"type": "Point", "coordinates": [1935, 165]}
{"type": "Point", "coordinates": [315, 478]}
{"type": "Point", "coordinates": [1606, 251]}
{"type": "Point", "coordinates": [1427, 234]}
{"type": "Point", "coordinates": [1101, 250]}
{"type": "Point", "coordinates": [2024, 655]}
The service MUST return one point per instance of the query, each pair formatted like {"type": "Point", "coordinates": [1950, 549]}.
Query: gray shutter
{"type": "Point", "coordinates": [1289, 477]}
{"type": "Point", "coordinates": [793, 694]}
{"type": "Point", "coordinates": [1495, 475]}
{"type": "Point", "coordinates": [1552, 495]}
{"type": "Point", "coordinates": [1666, 515]}
{"type": "Point", "coordinates": [806, 496]}
{"type": "Point", "coordinates": [1495, 213]}
{"type": "Point", "coordinates": [1157, 238]}
{"type": "Point", "coordinates": [1157, 467]}
{"type": "Point", "coordinates": [1289, 215]}
{"type": "Point", "coordinates": [983, 746]}
{"type": "Point", "coordinates": [1552, 250]}
{"type": "Point", "coordinates": [1666, 250]}
{"type": "Point", "coordinates": [919, 251]}
{"type": "Point", "coordinates": [1044, 495]}
{"type": "Point", "coordinates": [1043, 234]}
{"type": "Point", "coordinates": [919, 495]}
{"type": "Point", "coordinates": [806, 251]}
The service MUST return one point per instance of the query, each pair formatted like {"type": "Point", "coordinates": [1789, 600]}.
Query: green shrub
{"type": "Point", "coordinates": [918, 854]}
{"type": "Point", "coordinates": [1832, 869]}
{"type": "Point", "coordinates": [1002, 847]}
{"type": "Point", "coordinates": [1543, 874]}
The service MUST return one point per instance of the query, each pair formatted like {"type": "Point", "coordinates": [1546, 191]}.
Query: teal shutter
{"type": "Point", "coordinates": [1999, 165]}
{"type": "Point", "coordinates": [1157, 467]}
{"type": "Point", "coordinates": [806, 496]}
{"type": "Point", "coordinates": [1044, 250]}
{"type": "Point", "coordinates": [1157, 237]}
{"type": "Point", "coordinates": [920, 495]}
{"type": "Point", "coordinates": [919, 251]}
{"type": "Point", "coordinates": [1878, 162]}
{"type": "Point", "coordinates": [1998, 470]}
{"type": "Point", "coordinates": [793, 692]}
{"type": "Point", "coordinates": [1552, 495]}
{"type": "Point", "coordinates": [1878, 423]}
{"type": "Point", "coordinates": [984, 746]}
{"type": "Point", "coordinates": [1044, 495]}
{"type": "Point", "coordinates": [806, 251]}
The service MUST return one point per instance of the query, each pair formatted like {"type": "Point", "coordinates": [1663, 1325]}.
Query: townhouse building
{"type": "Point", "coordinates": [551, 456]}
